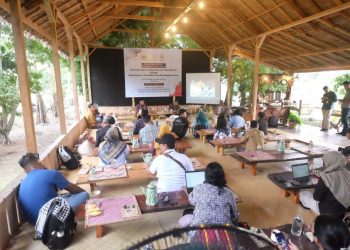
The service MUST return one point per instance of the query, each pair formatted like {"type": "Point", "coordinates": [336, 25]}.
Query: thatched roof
{"type": "Point", "coordinates": [301, 35]}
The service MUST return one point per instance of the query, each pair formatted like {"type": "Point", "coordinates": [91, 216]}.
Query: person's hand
{"type": "Point", "coordinates": [292, 246]}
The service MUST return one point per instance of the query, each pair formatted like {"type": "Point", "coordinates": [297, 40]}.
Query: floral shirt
{"type": "Point", "coordinates": [213, 205]}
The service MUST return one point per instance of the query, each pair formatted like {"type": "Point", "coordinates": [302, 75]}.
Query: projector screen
{"type": "Point", "coordinates": [203, 88]}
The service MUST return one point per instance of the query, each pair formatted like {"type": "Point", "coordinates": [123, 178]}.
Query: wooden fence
{"type": "Point", "coordinates": [11, 217]}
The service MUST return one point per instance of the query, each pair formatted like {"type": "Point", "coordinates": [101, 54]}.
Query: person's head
{"type": "Point", "coordinates": [348, 134]}
{"type": "Point", "coordinates": [176, 102]}
{"type": "Point", "coordinates": [254, 124]}
{"type": "Point", "coordinates": [261, 115]}
{"type": "Point", "coordinates": [331, 233]}
{"type": "Point", "coordinates": [325, 89]}
{"type": "Point", "coordinates": [142, 102]}
{"type": "Point", "coordinates": [166, 142]}
{"type": "Point", "coordinates": [346, 84]}
{"type": "Point", "coordinates": [221, 122]}
{"type": "Point", "coordinates": [144, 113]}
{"type": "Point", "coordinates": [112, 134]}
{"type": "Point", "coordinates": [92, 107]}
{"type": "Point", "coordinates": [30, 161]}
{"type": "Point", "coordinates": [109, 120]}
{"type": "Point", "coordinates": [333, 160]}
{"type": "Point", "coordinates": [214, 175]}
{"type": "Point", "coordinates": [147, 119]}
{"type": "Point", "coordinates": [237, 112]}
{"type": "Point", "coordinates": [183, 113]}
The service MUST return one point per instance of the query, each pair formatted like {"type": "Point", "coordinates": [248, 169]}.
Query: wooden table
{"type": "Point", "coordinates": [253, 158]}
{"type": "Point", "coordinates": [203, 133]}
{"type": "Point", "coordinates": [315, 152]}
{"type": "Point", "coordinates": [290, 190]}
{"type": "Point", "coordinates": [220, 144]}
{"type": "Point", "coordinates": [275, 138]}
{"type": "Point", "coordinates": [144, 148]}
{"type": "Point", "coordinates": [182, 144]}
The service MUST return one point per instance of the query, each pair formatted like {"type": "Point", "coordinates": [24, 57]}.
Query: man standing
{"type": "Point", "coordinates": [170, 166]}
{"type": "Point", "coordinates": [180, 124]}
{"type": "Point", "coordinates": [41, 185]}
{"type": "Point", "coordinates": [328, 100]}
{"type": "Point", "coordinates": [345, 109]}
{"type": "Point", "coordinates": [149, 132]}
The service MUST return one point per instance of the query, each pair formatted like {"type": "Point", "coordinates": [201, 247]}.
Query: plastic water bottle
{"type": "Point", "coordinates": [297, 226]}
{"type": "Point", "coordinates": [281, 147]}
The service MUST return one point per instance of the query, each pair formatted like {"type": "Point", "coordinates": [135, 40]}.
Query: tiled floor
{"type": "Point", "coordinates": [263, 204]}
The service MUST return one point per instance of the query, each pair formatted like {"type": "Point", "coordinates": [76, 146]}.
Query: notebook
{"type": "Point", "coordinates": [194, 178]}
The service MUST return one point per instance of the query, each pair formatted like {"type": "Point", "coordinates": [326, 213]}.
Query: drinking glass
{"type": "Point", "coordinates": [297, 226]}
{"type": "Point", "coordinates": [95, 196]}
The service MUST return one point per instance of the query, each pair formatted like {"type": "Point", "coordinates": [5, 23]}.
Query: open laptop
{"type": "Point", "coordinates": [194, 178]}
{"type": "Point", "coordinates": [301, 173]}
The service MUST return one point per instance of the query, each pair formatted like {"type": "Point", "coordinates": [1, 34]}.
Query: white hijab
{"type": "Point", "coordinates": [336, 177]}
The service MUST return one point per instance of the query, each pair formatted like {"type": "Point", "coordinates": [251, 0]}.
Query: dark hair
{"type": "Point", "coordinates": [110, 120]}
{"type": "Point", "coordinates": [261, 115]}
{"type": "Point", "coordinates": [90, 105]}
{"type": "Point", "coordinates": [237, 112]}
{"type": "Point", "coordinates": [331, 232]}
{"type": "Point", "coordinates": [346, 82]}
{"type": "Point", "coordinates": [144, 113]}
{"type": "Point", "coordinates": [253, 124]}
{"type": "Point", "coordinates": [28, 159]}
{"type": "Point", "coordinates": [147, 118]}
{"type": "Point", "coordinates": [214, 175]}
{"type": "Point", "coordinates": [325, 87]}
{"type": "Point", "coordinates": [181, 111]}
{"type": "Point", "coordinates": [221, 123]}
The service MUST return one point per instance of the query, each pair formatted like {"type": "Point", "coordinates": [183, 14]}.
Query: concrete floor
{"type": "Point", "coordinates": [263, 204]}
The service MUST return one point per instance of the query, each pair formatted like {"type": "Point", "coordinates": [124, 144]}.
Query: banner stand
{"type": "Point", "coordinates": [133, 102]}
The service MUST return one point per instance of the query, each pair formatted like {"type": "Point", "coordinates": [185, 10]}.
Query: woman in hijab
{"type": "Point", "coordinates": [332, 192]}
{"type": "Point", "coordinates": [113, 149]}
{"type": "Point", "coordinates": [202, 120]}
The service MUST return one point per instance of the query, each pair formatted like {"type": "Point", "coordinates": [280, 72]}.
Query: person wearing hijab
{"type": "Point", "coordinates": [332, 192]}
{"type": "Point", "coordinates": [112, 148]}
{"type": "Point", "coordinates": [202, 120]}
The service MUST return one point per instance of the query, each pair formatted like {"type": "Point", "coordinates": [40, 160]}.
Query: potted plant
{"type": "Point", "coordinates": [294, 119]}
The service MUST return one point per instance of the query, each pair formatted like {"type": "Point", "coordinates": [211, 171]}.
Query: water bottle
{"type": "Point", "coordinates": [297, 226]}
{"type": "Point", "coordinates": [281, 147]}
{"type": "Point", "coordinates": [311, 145]}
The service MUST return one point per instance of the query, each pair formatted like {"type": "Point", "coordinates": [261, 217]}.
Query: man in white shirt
{"type": "Point", "coordinates": [170, 173]}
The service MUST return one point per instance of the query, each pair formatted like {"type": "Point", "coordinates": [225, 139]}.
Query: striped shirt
{"type": "Point", "coordinates": [149, 133]}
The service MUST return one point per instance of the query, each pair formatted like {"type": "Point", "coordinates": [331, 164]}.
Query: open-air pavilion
{"type": "Point", "coordinates": [291, 35]}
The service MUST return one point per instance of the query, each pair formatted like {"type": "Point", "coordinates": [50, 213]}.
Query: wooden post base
{"type": "Point", "coordinates": [253, 169]}
{"type": "Point", "coordinates": [294, 195]}
{"type": "Point", "coordinates": [99, 231]}
{"type": "Point", "coordinates": [92, 186]}
{"type": "Point", "coordinates": [242, 165]}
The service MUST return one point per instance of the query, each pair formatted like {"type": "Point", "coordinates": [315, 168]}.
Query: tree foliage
{"type": "Point", "coordinates": [338, 86]}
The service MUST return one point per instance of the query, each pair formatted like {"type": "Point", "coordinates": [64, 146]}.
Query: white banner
{"type": "Point", "coordinates": [153, 72]}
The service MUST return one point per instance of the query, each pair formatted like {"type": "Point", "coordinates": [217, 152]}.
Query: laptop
{"type": "Point", "coordinates": [194, 178]}
{"type": "Point", "coordinates": [301, 173]}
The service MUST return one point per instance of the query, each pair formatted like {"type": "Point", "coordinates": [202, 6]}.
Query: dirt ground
{"type": "Point", "coordinates": [10, 154]}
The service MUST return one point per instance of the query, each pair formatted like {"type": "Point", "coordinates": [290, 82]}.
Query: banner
{"type": "Point", "coordinates": [153, 72]}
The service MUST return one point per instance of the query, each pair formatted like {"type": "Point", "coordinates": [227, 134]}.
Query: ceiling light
{"type": "Point", "coordinates": [167, 35]}
{"type": "Point", "coordinates": [201, 5]}
{"type": "Point", "coordinates": [185, 19]}
{"type": "Point", "coordinates": [173, 29]}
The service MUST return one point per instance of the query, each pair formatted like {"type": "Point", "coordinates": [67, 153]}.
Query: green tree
{"type": "Point", "coordinates": [338, 85]}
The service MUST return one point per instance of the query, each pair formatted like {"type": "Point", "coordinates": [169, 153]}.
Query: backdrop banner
{"type": "Point", "coordinates": [152, 72]}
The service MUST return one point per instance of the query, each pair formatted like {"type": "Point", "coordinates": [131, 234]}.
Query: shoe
{"type": "Point", "coordinates": [324, 130]}
{"type": "Point", "coordinates": [340, 133]}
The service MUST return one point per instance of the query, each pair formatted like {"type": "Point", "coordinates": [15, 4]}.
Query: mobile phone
{"type": "Point", "coordinates": [281, 240]}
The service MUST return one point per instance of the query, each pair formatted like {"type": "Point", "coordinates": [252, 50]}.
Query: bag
{"type": "Point", "coordinates": [58, 234]}
{"type": "Point", "coordinates": [273, 122]}
{"type": "Point", "coordinates": [69, 159]}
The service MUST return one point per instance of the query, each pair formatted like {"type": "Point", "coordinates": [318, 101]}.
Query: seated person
{"type": "Point", "coordinates": [170, 166]}
{"type": "Point", "coordinates": [174, 106]}
{"type": "Point", "coordinates": [346, 151]}
{"type": "Point", "coordinates": [140, 122]}
{"type": "Point", "coordinates": [91, 116]}
{"type": "Point", "coordinates": [141, 106]}
{"type": "Point", "coordinates": [220, 108]}
{"type": "Point", "coordinates": [329, 233]}
{"type": "Point", "coordinates": [262, 122]}
{"type": "Point", "coordinates": [222, 130]}
{"type": "Point", "coordinates": [332, 191]}
{"type": "Point", "coordinates": [237, 121]}
{"type": "Point", "coordinates": [180, 124]}
{"type": "Point", "coordinates": [201, 121]}
{"type": "Point", "coordinates": [87, 147]}
{"type": "Point", "coordinates": [163, 130]}
{"type": "Point", "coordinates": [100, 133]}
{"type": "Point", "coordinates": [253, 137]}
{"type": "Point", "coordinates": [214, 203]}
{"type": "Point", "coordinates": [113, 149]}
{"type": "Point", "coordinates": [149, 132]}
{"type": "Point", "coordinates": [41, 185]}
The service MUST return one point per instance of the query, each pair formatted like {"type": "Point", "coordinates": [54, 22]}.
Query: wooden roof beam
{"type": "Point", "coordinates": [130, 31]}
{"type": "Point", "coordinates": [136, 17]}
{"type": "Point", "coordinates": [301, 21]}
{"type": "Point", "coordinates": [151, 4]}
{"type": "Point", "coordinates": [95, 7]}
{"type": "Point", "coordinates": [322, 68]}
{"type": "Point", "coordinates": [90, 20]}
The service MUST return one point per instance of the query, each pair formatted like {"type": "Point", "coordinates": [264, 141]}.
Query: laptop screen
{"type": "Point", "coordinates": [194, 178]}
{"type": "Point", "coordinates": [300, 171]}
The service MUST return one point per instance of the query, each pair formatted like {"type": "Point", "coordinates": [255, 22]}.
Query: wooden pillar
{"type": "Point", "coordinates": [72, 67]}
{"type": "Point", "coordinates": [82, 68]}
{"type": "Point", "coordinates": [212, 54]}
{"type": "Point", "coordinates": [88, 72]}
{"type": "Point", "coordinates": [23, 77]}
{"type": "Point", "coordinates": [229, 76]}
{"type": "Point", "coordinates": [259, 42]}
{"type": "Point", "coordinates": [151, 33]}
{"type": "Point", "coordinates": [56, 65]}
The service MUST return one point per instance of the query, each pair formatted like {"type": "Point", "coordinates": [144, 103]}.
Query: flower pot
{"type": "Point", "coordinates": [292, 124]}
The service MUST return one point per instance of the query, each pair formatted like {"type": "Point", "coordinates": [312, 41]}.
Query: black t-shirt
{"type": "Point", "coordinates": [328, 203]}
{"type": "Point", "coordinates": [180, 126]}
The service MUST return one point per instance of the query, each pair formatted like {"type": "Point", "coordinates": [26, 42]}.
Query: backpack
{"type": "Point", "coordinates": [273, 122]}
{"type": "Point", "coordinates": [58, 234]}
{"type": "Point", "coordinates": [69, 159]}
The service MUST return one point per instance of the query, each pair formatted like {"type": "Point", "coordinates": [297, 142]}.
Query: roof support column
{"type": "Point", "coordinates": [212, 54]}
{"type": "Point", "coordinates": [229, 75]}
{"type": "Point", "coordinates": [23, 77]}
{"type": "Point", "coordinates": [82, 68]}
{"type": "Point", "coordinates": [88, 72]}
{"type": "Point", "coordinates": [259, 42]}
{"type": "Point", "coordinates": [72, 68]}
{"type": "Point", "coordinates": [56, 64]}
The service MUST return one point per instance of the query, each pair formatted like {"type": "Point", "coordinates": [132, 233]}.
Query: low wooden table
{"type": "Point", "coordinates": [144, 148]}
{"type": "Point", "coordinates": [253, 158]}
{"type": "Point", "coordinates": [290, 190]}
{"type": "Point", "coordinates": [182, 144]}
{"type": "Point", "coordinates": [220, 144]}
{"type": "Point", "coordinates": [203, 133]}
{"type": "Point", "coordinates": [315, 152]}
